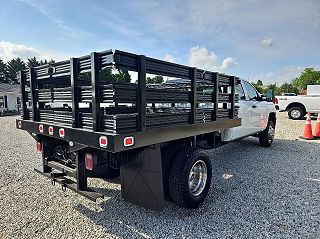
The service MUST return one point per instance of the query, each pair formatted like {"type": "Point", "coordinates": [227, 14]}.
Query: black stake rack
{"type": "Point", "coordinates": [156, 112]}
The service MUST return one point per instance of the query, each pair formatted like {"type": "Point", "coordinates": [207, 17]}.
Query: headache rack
{"type": "Point", "coordinates": [191, 102]}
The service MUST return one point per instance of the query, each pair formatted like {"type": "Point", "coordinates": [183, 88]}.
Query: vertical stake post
{"type": "Point", "coordinates": [33, 91]}
{"type": "Point", "coordinates": [142, 103]}
{"type": "Point", "coordinates": [215, 80]}
{"type": "Point", "coordinates": [95, 92]}
{"type": "Point", "coordinates": [74, 92]}
{"type": "Point", "coordinates": [22, 78]}
{"type": "Point", "coordinates": [193, 78]}
{"type": "Point", "coordinates": [232, 96]}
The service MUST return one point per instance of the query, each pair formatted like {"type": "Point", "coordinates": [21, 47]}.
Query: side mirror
{"type": "Point", "coordinates": [270, 96]}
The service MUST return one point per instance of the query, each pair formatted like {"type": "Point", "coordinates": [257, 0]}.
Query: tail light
{"type": "Point", "coordinates": [50, 129]}
{"type": "Point", "coordinates": [41, 128]}
{"type": "Point", "coordinates": [276, 101]}
{"type": "Point", "coordinates": [39, 147]}
{"type": "Point", "coordinates": [88, 158]}
{"type": "Point", "coordinates": [103, 141]}
{"type": "Point", "coordinates": [128, 141]}
{"type": "Point", "coordinates": [61, 133]}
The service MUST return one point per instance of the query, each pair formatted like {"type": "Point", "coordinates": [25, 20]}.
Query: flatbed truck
{"type": "Point", "coordinates": [154, 137]}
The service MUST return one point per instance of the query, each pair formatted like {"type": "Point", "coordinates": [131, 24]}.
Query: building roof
{"type": "Point", "coordinates": [5, 87]}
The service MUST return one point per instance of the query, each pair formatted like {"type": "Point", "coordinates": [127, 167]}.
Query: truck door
{"type": "Point", "coordinates": [245, 112]}
{"type": "Point", "coordinates": [259, 117]}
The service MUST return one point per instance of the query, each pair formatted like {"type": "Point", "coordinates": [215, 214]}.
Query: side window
{"type": "Point", "coordinates": [239, 91]}
{"type": "Point", "coordinates": [252, 93]}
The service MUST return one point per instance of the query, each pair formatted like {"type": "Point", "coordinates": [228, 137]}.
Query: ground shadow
{"type": "Point", "coordinates": [255, 192]}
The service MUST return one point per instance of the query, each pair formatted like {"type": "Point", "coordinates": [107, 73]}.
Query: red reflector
{"type": "Point", "coordinates": [61, 133]}
{"type": "Point", "coordinates": [103, 141]}
{"type": "Point", "coordinates": [128, 141]}
{"type": "Point", "coordinates": [276, 101]}
{"type": "Point", "coordinates": [88, 158]}
{"type": "Point", "coordinates": [39, 147]}
{"type": "Point", "coordinates": [50, 130]}
{"type": "Point", "coordinates": [41, 128]}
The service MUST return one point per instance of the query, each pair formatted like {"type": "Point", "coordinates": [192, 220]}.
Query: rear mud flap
{"type": "Point", "coordinates": [141, 177]}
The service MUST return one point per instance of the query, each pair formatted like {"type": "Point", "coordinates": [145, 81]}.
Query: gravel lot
{"type": "Point", "coordinates": [256, 193]}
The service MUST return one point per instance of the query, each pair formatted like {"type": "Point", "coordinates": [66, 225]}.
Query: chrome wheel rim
{"type": "Point", "coordinates": [295, 114]}
{"type": "Point", "coordinates": [271, 133]}
{"type": "Point", "coordinates": [197, 178]}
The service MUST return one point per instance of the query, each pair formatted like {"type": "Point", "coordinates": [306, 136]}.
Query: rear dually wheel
{"type": "Point", "coordinates": [190, 178]}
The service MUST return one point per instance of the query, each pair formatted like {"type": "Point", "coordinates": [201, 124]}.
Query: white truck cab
{"type": "Point", "coordinates": [257, 113]}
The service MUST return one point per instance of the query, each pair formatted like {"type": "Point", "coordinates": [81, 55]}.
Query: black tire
{"type": "Point", "coordinates": [168, 154]}
{"type": "Point", "coordinates": [266, 137]}
{"type": "Point", "coordinates": [296, 113]}
{"type": "Point", "coordinates": [179, 178]}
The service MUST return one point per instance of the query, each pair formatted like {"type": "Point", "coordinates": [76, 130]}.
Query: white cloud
{"type": "Point", "coordinates": [228, 63]}
{"type": "Point", "coordinates": [169, 58]}
{"type": "Point", "coordinates": [203, 58]}
{"type": "Point", "coordinates": [9, 50]}
{"type": "Point", "coordinates": [267, 42]}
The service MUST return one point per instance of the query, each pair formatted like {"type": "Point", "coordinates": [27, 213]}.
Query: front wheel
{"type": "Point", "coordinates": [266, 137]}
{"type": "Point", "coordinates": [190, 178]}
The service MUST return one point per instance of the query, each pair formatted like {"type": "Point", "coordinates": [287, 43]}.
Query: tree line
{"type": "Point", "coordinates": [8, 70]}
{"type": "Point", "coordinates": [298, 85]}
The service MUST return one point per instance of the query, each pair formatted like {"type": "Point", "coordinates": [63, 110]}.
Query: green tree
{"type": "Point", "coordinates": [13, 67]}
{"type": "Point", "coordinates": [259, 82]}
{"type": "Point", "coordinates": [50, 62]}
{"type": "Point", "coordinates": [122, 77]}
{"type": "Point", "coordinates": [288, 88]}
{"type": "Point", "coordinates": [107, 77]}
{"type": "Point", "coordinates": [33, 62]}
{"type": "Point", "coordinates": [273, 87]}
{"type": "Point", "coordinates": [3, 71]}
{"type": "Point", "coordinates": [155, 80]}
{"type": "Point", "coordinates": [259, 86]}
{"type": "Point", "coordinates": [308, 77]}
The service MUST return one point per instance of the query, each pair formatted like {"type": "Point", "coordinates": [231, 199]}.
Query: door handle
{"type": "Point", "coordinates": [254, 106]}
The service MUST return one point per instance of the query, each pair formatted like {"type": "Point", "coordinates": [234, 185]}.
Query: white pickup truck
{"type": "Point", "coordinates": [298, 106]}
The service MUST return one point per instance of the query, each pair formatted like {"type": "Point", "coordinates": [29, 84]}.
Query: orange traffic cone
{"type": "Point", "coordinates": [317, 129]}
{"type": "Point", "coordinates": [307, 129]}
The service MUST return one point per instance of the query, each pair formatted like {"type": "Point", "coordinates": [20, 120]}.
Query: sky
{"type": "Point", "coordinates": [271, 40]}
